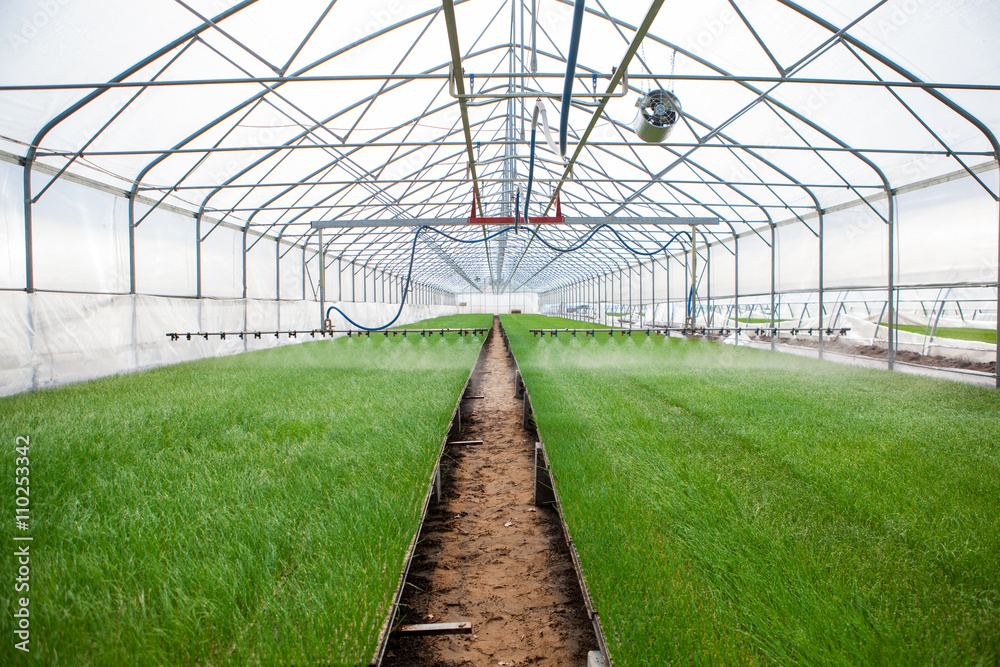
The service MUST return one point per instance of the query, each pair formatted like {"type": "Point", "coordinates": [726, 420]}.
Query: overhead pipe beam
{"type": "Point", "coordinates": [620, 72]}
{"type": "Point", "coordinates": [456, 64]}
{"type": "Point", "coordinates": [810, 81]}
{"type": "Point", "coordinates": [419, 222]}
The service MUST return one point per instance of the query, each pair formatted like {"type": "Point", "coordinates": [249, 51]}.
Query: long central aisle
{"type": "Point", "coordinates": [487, 554]}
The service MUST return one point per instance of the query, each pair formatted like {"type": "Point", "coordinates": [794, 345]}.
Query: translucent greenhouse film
{"type": "Point", "coordinates": [200, 166]}
{"type": "Point", "coordinates": [500, 332]}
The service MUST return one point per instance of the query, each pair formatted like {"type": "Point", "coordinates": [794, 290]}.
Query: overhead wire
{"type": "Point", "coordinates": [534, 234]}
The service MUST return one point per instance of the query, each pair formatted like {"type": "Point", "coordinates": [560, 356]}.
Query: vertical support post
{"type": "Point", "coordinates": [669, 318]}
{"type": "Point", "coordinates": [710, 307]}
{"type": "Point", "coordinates": [246, 228]}
{"type": "Point", "coordinates": [691, 293]}
{"type": "Point", "coordinates": [135, 331]}
{"type": "Point", "coordinates": [736, 282]}
{"type": "Point", "coordinates": [631, 305]}
{"type": "Point", "coordinates": [246, 304]}
{"type": "Point", "coordinates": [997, 370]}
{"type": "Point", "coordinates": [197, 255]}
{"type": "Point", "coordinates": [621, 292]}
{"type": "Point", "coordinates": [774, 246]}
{"type": "Point", "coordinates": [652, 270]}
{"type": "Point", "coordinates": [322, 282]}
{"type": "Point", "coordinates": [131, 243]}
{"type": "Point", "coordinates": [892, 280]}
{"type": "Point", "coordinates": [29, 272]}
{"type": "Point", "coordinates": [821, 284]}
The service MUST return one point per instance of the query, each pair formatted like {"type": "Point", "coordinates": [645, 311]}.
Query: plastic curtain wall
{"type": "Point", "coordinates": [944, 275]}
{"type": "Point", "coordinates": [81, 322]}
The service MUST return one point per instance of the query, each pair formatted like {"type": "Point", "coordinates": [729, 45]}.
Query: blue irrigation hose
{"type": "Point", "coordinates": [409, 275]}
{"type": "Point", "coordinates": [517, 210]}
{"type": "Point", "coordinates": [534, 234]}
{"type": "Point", "coordinates": [621, 241]}
{"type": "Point", "coordinates": [574, 50]}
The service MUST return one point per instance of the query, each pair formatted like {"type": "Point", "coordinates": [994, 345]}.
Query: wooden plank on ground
{"type": "Point", "coordinates": [461, 628]}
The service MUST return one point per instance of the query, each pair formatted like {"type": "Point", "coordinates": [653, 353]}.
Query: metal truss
{"type": "Point", "coordinates": [339, 162]}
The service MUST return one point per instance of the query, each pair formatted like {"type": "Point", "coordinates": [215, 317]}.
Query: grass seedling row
{"type": "Point", "coordinates": [737, 506]}
{"type": "Point", "coordinates": [245, 509]}
{"type": "Point", "coordinates": [955, 333]}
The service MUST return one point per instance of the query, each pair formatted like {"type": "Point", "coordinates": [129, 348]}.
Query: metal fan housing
{"type": "Point", "coordinates": [658, 112]}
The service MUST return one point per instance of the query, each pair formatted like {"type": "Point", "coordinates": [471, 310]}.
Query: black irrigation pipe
{"type": "Point", "coordinates": [189, 335]}
{"type": "Point", "coordinates": [689, 331]}
{"type": "Point", "coordinates": [323, 332]}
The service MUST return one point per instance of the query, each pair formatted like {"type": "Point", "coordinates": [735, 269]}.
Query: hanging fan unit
{"type": "Point", "coordinates": [659, 111]}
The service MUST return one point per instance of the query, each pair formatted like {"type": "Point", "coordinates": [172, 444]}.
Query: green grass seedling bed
{"type": "Point", "coordinates": [238, 510]}
{"type": "Point", "coordinates": [473, 321]}
{"type": "Point", "coordinates": [543, 322]}
{"type": "Point", "coordinates": [956, 333]}
{"type": "Point", "coordinates": [737, 506]}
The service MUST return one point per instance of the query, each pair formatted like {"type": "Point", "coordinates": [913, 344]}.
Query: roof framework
{"type": "Point", "coordinates": [271, 120]}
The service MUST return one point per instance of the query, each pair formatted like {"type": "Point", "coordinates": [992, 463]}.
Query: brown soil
{"type": "Point", "coordinates": [489, 556]}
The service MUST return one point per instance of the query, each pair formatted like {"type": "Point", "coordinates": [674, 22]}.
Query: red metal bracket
{"type": "Point", "coordinates": [475, 219]}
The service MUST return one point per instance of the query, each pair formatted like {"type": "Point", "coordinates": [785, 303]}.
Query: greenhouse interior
{"type": "Point", "coordinates": [500, 331]}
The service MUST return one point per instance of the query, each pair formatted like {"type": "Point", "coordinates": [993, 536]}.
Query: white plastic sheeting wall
{"type": "Point", "coordinates": [50, 339]}
{"type": "Point", "coordinates": [946, 234]}
{"type": "Point", "coordinates": [480, 302]}
{"type": "Point", "coordinates": [81, 322]}
{"type": "Point", "coordinates": [945, 262]}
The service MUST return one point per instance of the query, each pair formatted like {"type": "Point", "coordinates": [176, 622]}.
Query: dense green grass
{"type": "Point", "coordinates": [957, 333]}
{"type": "Point", "coordinates": [543, 322]}
{"type": "Point", "coordinates": [740, 506]}
{"type": "Point", "coordinates": [246, 509]}
{"type": "Point", "coordinates": [472, 321]}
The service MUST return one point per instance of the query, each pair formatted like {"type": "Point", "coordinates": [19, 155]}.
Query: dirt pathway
{"type": "Point", "coordinates": [487, 554]}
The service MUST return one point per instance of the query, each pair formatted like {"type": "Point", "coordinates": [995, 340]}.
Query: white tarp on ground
{"type": "Point", "coordinates": [862, 331]}
{"type": "Point", "coordinates": [50, 339]}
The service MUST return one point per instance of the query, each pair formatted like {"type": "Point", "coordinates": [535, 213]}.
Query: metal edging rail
{"type": "Point", "coordinates": [693, 331]}
{"type": "Point", "coordinates": [435, 484]}
{"type": "Point", "coordinates": [570, 545]}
